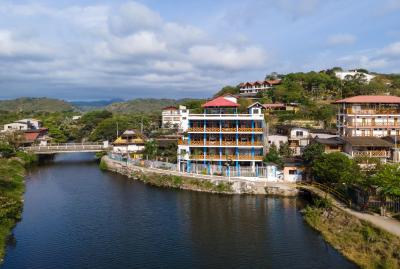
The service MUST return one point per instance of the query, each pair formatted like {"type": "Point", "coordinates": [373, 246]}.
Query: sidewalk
{"type": "Point", "coordinates": [388, 224]}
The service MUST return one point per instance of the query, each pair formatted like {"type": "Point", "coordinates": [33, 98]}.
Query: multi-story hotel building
{"type": "Point", "coordinates": [369, 115]}
{"type": "Point", "coordinates": [220, 137]}
{"type": "Point", "coordinates": [251, 89]}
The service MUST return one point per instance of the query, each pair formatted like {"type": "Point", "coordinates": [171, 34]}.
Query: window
{"type": "Point", "coordinates": [292, 172]}
{"type": "Point", "coordinates": [299, 133]}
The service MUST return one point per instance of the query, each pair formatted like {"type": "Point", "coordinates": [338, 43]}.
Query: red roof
{"type": "Point", "coordinates": [383, 99]}
{"type": "Point", "coordinates": [273, 82]}
{"type": "Point", "coordinates": [30, 137]}
{"type": "Point", "coordinates": [220, 102]}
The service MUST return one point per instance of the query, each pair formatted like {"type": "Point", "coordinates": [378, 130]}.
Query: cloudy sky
{"type": "Point", "coordinates": [99, 49]}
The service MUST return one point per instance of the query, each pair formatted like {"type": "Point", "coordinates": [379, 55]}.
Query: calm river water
{"type": "Point", "coordinates": [76, 216]}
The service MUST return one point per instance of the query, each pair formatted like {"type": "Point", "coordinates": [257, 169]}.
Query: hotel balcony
{"type": "Point", "coordinates": [224, 130]}
{"type": "Point", "coordinates": [382, 111]}
{"type": "Point", "coordinates": [373, 124]}
{"type": "Point", "coordinates": [226, 157]}
{"type": "Point", "coordinates": [202, 143]}
{"type": "Point", "coordinates": [372, 153]}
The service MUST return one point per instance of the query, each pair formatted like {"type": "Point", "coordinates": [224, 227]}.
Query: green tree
{"type": "Point", "coordinates": [6, 150]}
{"type": "Point", "coordinates": [151, 149]}
{"type": "Point", "coordinates": [273, 156]}
{"type": "Point", "coordinates": [388, 179]}
{"type": "Point", "coordinates": [285, 150]}
{"type": "Point", "coordinates": [335, 168]}
{"type": "Point", "coordinates": [312, 152]}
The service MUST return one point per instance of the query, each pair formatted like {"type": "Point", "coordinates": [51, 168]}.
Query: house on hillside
{"type": "Point", "coordinates": [23, 125]}
{"type": "Point", "coordinates": [251, 89]}
{"type": "Point", "coordinates": [369, 115]}
{"type": "Point", "coordinates": [372, 147]}
{"type": "Point", "coordinates": [331, 144]}
{"type": "Point", "coordinates": [267, 108]}
{"type": "Point", "coordinates": [298, 137]}
{"type": "Point", "coordinates": [130, 142]}
{"type": "Point", "coordinates": [172, 117]}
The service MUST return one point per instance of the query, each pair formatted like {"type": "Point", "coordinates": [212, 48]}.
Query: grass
{"type": "Point", "coordinates": [12, 187]}
{"type": "Point", "coordinates": [103, 165]}
{"type": "Point", "coordinates": [173, 181]}
{"type": "Point", "coordinates": [364, 244]}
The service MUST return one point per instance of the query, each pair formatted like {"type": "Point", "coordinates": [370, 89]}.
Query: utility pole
{"type": "Point", "coordinates": [117, 130]}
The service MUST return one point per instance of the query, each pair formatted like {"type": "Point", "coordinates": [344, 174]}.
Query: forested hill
{"type": "Point", "coordinates": [35, 105]}
{"type": "Point", "coordinates": [144, 105]}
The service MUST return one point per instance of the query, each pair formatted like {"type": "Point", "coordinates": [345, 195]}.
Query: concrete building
{"type": "Point", "coordinates": [221, 137]}
{"type": "Point", "coordinates": [23, 125]}
{"type": "Point", "coordinates": [172, 117]}
{"type": "Point", "coordinates": [369, 115]}
{"type": "Point", "coordinates": [298, 137]}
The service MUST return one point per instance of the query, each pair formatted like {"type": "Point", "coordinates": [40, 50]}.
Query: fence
{"type": "Point", "coordinates": [373, 202]}
{"type": "Point", "coordinates": [228, 171]}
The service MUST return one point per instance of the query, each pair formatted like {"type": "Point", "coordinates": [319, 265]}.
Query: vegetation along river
{"type": "Point", "coordinates": [76, 216]}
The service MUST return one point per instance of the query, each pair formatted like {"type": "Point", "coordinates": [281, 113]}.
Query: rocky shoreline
{"type": "Point", "coordinates": [193, 182]}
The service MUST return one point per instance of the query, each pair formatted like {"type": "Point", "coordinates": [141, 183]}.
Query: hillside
{"type": "Point", "coordinates": [35, 105]}
{"type": "Point", "coordinates": [94, 105]}
{"type": "Point", "coordinates": [142, 105]}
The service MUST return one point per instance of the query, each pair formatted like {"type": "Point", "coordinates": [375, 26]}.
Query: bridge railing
{"type": "Point", "coordinates": [329, 190]}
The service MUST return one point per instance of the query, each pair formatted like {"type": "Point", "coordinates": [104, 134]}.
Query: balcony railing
{"type": "Point", "coordinates": [372, 153]}
{"type": "Point", "coordinates": [226, 157]}
{"type": "Point", "coordinates": [219, 143]}
{"type": "Point", "coordinates": [372, 111]}
{"type": "Point", "coordinates": [227, 129]}
{"type": "Point", "coordinates": [372, 124]}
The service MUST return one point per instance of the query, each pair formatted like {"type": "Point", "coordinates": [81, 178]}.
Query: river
{"type": "Point", "coordinates": [76, 216]}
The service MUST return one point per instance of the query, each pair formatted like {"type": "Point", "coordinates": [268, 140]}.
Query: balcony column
{"type": "Point", "coordinates": [204, 143]}
{"type": "Point", "coordinates": [237, 149]}
{"type": "Point", "coordinates": [252, 139]}
{"type": "Point", "coordinates": [220, 145]}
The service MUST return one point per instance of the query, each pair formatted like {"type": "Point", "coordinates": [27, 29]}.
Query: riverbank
{"type": "Point", "coordinates": [12, 187]}
{"type": "Point", "coordinates": [358, 240]}
{"type": "Point", "coordinates": [195, 182]}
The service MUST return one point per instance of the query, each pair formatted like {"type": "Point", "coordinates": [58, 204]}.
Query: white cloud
{"type": "Point", "coordinates": [11, 47]}
{"type": "Point", "coordinates": [131, 17]}
{"type": "Point", "coordinates": [130, 46]}
{"type": "Point", "coordinates": [228, 57]}
{"type": "Point", "coordinates": [341, 39]}
{"type": "Point", "coordinates": [141, 43]}
{"type": "Point", "coordinates": [392, 50]}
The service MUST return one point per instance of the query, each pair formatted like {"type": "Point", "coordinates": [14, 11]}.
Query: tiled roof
{"type": "Point", "coordinates": [220, 102]}
{"type": "Point", "coordinates": [30, 137]}
{"type": "Point", "coordinates": [384, 99]}
{"type": "Point", "coordinates": [367, 141]}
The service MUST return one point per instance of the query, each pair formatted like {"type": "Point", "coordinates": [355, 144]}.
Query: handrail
{"type": "Point", "coordinates": [325, 188]}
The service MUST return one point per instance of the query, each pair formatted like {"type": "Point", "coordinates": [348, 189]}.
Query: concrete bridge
{"type": "Point", "coordinates": [68, 148]}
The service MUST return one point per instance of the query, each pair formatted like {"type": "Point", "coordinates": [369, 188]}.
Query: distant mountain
{"type": "Point", "coordinates": [26, 104]}
{"type": "Point", "coordinates": [142, 105]}
{"type": "Point", "coordinates": [91, 105]}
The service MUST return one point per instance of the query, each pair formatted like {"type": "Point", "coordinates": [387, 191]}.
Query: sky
{"type": "Point", "coordinates": [102, 49]}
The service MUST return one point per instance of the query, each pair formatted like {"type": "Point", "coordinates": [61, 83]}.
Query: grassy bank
{"type": "Point", "coordinates": [359, 241]}
{"type": "Point", "coordinates": [12, 172]}
{"type": "Point", "coordinates": [171, 181]}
